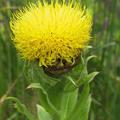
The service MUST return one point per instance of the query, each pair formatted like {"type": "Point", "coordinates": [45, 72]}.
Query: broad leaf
{"type": "Point", "coordinates": [68, 102]}
{"type": "Point", "coordinates": [43, 114]}
{"type": "Point", "coordinates": [45, 100]}
{"type": "Point", "coordinates": [82, 107]}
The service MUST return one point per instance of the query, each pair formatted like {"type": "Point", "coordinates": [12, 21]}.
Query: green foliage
{"type": "Point", "coordinates": [83, 105]}
{"type": "Point", "coordinates": [21, 108]}
{"type": "Point", "coordinates": [43, 114]}
{"type": "Point", "coordinates": [58, 101]}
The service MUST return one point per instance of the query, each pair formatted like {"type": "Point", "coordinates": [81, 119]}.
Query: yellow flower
{"type": "Point", "coordinates": [51, 31]}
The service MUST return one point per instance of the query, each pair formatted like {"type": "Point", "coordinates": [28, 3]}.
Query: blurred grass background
{"type": "Point", "coordinates": [106, 46]}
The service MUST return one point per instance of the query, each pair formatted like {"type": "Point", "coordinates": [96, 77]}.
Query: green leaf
{"type": "Point", "coordinates": [83, 78]}
{"type": "Point", "coordinates": [83, 105]}
{"type": "Point", "coordinates": [55, 93]}
{"type": "Point", "coordinates": [91, 76]}
{"type": "Point", "coordinates": [35, 85]}
{"type": "Point", "coordinates": [88, 78]}
{"type": "Point", "coordinates": [76, 78]}
{"type": "Point", "coordinates": [71, 80]}
{"type": "Point", "coordinates": [44, 96]}
{"type": "Point", "coordinates": [43, 114]}
{"type": "Point", "coordinates": [21, 108]}
{"type": "Point", "coordinates": [89, 58]}
{"type": "Point", "coordinates": [68, 102]}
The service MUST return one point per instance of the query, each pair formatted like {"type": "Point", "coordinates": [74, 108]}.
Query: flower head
{"type": "Point", "coordinates": [51, 32]}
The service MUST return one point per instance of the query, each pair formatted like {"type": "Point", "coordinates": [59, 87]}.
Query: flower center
{"type": "Point", "coordinates": [61, 67]}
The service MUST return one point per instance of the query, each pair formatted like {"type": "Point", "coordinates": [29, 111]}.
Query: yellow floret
{"type": "Point", "coordinates": [49, 32]}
